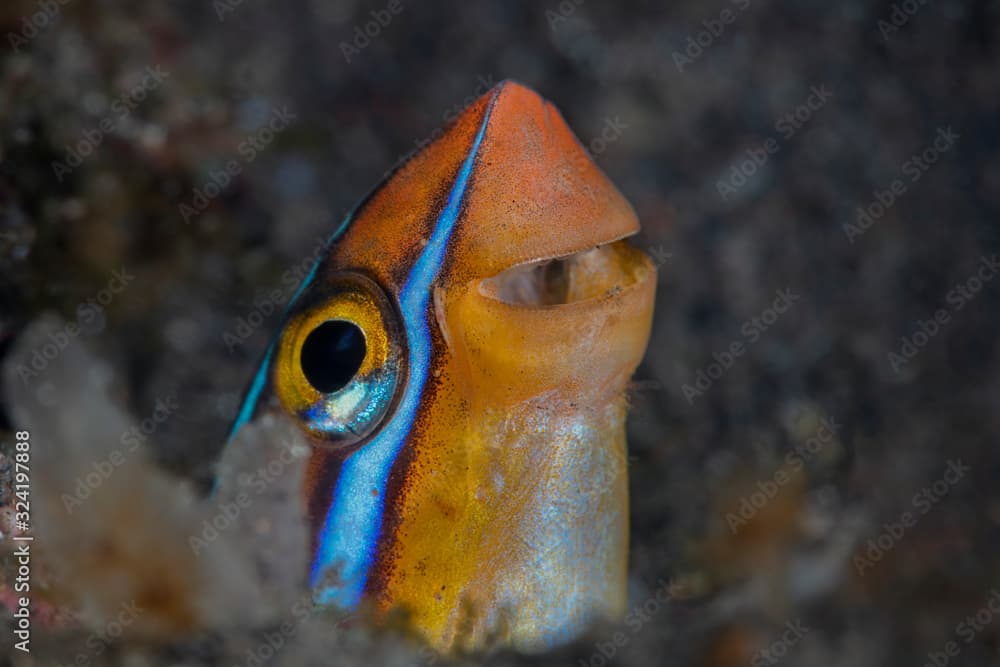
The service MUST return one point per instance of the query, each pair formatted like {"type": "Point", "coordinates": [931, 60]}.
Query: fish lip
{"type": "Point", "coordinates": [647, 273]}
{"type": "Point", "coordinates": [565, 255]}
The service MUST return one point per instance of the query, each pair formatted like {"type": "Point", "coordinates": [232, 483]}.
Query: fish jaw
{"type": "Point", "coordinates": [512, 518]}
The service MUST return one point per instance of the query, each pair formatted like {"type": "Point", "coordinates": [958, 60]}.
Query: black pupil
{"type": "Point", "coordinates": [332, 354]}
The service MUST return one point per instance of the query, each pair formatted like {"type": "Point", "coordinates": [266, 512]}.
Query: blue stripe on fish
{"type": "Point", "coordinates": [249, 405]}
{"type": "Point", "coordinates": [349, 536]}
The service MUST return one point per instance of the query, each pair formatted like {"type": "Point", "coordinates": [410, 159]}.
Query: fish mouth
{"type": "Point", "coordinates": [593, 273]}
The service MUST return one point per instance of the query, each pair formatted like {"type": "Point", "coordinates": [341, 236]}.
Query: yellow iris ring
{"type": "Point", "coordinates": [354, 305]}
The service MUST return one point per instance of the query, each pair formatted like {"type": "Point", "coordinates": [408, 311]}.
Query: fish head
{"type": "Point", "coordinates": [459, 361]}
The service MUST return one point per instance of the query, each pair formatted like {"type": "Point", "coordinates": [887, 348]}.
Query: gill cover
{"type": "Point", "coordinates": [459, 360]}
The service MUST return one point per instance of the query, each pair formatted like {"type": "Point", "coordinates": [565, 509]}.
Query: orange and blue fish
{"type": "Point", "coordinates": [459, 361]}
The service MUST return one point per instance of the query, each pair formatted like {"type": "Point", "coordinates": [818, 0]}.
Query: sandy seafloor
{"type": "Point", "coordinates": [799, 582]}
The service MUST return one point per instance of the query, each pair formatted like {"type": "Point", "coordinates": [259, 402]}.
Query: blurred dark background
{"type": "Point", "coordinates": [746, 134]}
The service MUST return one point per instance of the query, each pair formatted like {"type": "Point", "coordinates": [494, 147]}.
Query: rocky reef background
{"type": "Point", "coordinates": [813, 437]}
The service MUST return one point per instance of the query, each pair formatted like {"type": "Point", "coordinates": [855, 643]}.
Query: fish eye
{"type": "Point", "coordinates": [340, 359]}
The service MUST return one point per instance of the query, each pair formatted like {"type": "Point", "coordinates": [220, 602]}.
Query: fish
{"type": "Point", "coordinates": [459, 362]}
